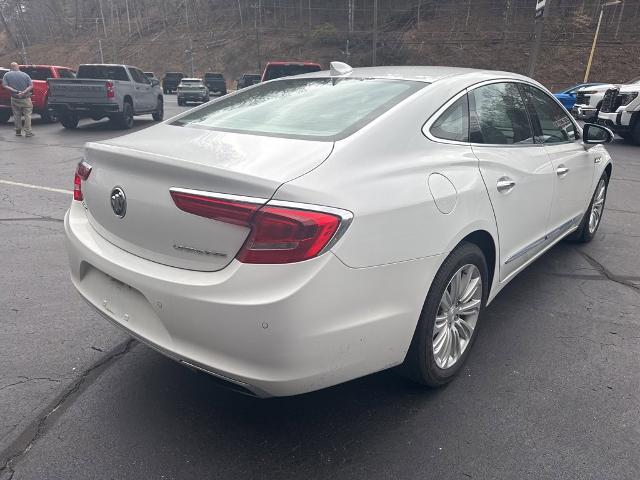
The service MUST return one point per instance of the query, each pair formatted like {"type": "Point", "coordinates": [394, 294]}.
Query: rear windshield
{"type": "Point", "coordinates": [102, 72]}
{"type": "Point", "coordinates": [314, 109]}
{"type": "Point", "coordinates": [37, 73]}
{"type": "Point", "coordinates": [278, 71]}
{"type": "Point", "coordinates": [213, 75]}
{"type": "Point", "coordinates": [173, 75]}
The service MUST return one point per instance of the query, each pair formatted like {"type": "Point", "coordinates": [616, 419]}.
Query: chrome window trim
{"type": "Point", "coordinates": [435, 116]}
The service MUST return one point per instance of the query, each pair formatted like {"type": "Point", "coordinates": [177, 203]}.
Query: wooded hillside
{"type": "Point", "coordinates": [236, 36]}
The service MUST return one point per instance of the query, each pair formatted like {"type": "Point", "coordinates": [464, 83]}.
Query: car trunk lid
{"type": "Point", "coordinates": [147, 164]}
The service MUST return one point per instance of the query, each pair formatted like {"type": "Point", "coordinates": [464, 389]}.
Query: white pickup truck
{"type": "Point", "coordinates": [589, 100]}
{"type": "Point", "coordinates": [104, 90]}
{"type": "Point", "coordinates": [620, 111]}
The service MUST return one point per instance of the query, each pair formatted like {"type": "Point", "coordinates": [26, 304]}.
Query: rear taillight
{"type": "Point", "coordinates": [281, 232]}
{"type": "Point", "coordinates": [83, 170]}
{"type": "Point", "coordinates": [110, 92]}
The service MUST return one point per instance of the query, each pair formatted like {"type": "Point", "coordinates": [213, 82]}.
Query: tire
{"type": "Point", "coordinates": [422, 364]}
{"type": "Point", "coordinates": [5, 115]}
{"type": "Point", "coordinates": [586, 231]}
{"type": "Point", "coordinates": [158, 115]}
{"type": "Point", "coordinates": [69, 120]}
{"type": "Point", "coordinates": [165, 91]}
{"type": "Point", "coordinates": [125, 119]}
{"type": "Point", "coordinates": [48, 115]}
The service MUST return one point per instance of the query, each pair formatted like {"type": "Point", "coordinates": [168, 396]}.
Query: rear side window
{"type": "Point", "coordinates": [64, 73]}
{"type": "Point", "coordinates": [102, 72]}
{"type": "Point", "coordinates": [315, 109]}
{"type": "Point", "coordinates": [498, 115]}
{"type": "Point", "coordinates": [279, 71]}
{"type": "Point", "coordinates": [37, 73]}
{"type": "Point", "coordinates": [551, 122]}
{"type": "Point", "coordinates": [453, 124]}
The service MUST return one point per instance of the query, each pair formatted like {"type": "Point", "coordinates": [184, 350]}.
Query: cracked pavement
{"type": "Point", "coordinates": [551, 389]}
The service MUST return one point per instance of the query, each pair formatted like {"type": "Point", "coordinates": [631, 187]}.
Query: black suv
{"type": "Point", "coordinates": [170, 81]}
{"type": "Point", "coordinates": [248, 79]}
{"type": "Point", "coordinates": [216, 83]}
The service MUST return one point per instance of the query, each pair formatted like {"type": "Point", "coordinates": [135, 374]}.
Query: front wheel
{"type": "Point", "coordinates": [593, 216]}
{"type": "Point", "coordinates": [449, 321]}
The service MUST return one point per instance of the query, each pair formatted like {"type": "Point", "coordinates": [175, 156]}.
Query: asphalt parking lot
{"type": "Point", "coordinates": [551, 389]}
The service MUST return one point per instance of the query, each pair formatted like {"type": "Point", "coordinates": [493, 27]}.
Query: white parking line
{"type": "Point", "coordinates": [35, 187]}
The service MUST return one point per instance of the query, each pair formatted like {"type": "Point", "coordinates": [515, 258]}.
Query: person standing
{"type": "Point", "coordinates": [20, 86]}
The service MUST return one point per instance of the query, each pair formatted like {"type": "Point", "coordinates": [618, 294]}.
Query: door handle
{"type": "Point", "coordinates": [505, 184]}
{"type": "Point", "coordinates": [562, 171]}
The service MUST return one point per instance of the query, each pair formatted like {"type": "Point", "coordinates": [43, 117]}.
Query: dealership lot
{"type": "Point", "coordinates": [551, 389]}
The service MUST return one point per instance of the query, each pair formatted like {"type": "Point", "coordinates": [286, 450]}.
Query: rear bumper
{"type": "Point", "coordinates": [87, 108]}
{"type": "Point", "coordinates": [273, 330]}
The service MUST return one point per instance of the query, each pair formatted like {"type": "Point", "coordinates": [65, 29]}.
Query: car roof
{"type": "Point", "coordinates": [427, 74]}
{"type": "Point", "coordinates": [45, 66]}
{"type": "Point", "coordinates": [293, 62]}
{"type": "Point", "coordinates": [191, 79]}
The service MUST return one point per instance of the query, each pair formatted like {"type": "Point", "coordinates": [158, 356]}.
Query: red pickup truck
{"type": "Point", "coordinates": [40, 98]}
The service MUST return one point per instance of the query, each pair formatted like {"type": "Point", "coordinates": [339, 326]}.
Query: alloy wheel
{"type": "Point", "coordinates": [597, 207]}
{"type": "Point", "coordinates": [457, 316]}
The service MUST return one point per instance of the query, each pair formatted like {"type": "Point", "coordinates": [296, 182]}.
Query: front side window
{"type": "Point", "coordinates": [138, 76]}
{"type": "Point", "coordinates": [498, 115]}
{"type": "Point", "coordinates": [453, 124]}
{"type": "Point", "coordinates": [551, 122]}
{"type": "Point", "coordinates": [314, 109]}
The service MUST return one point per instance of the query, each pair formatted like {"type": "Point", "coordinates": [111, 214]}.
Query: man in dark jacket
{"type": "Point", "coordinates": [20, 86]}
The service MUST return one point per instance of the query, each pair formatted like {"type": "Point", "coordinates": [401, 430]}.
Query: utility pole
{"type": "Point", "coordinates": [375, 33]}
{"type": "Point", "coordinates": [256, 9]}
{"type": "Point", "coordinates": [24, 54]}
{"type": "Point", "coordinates": [533, 60]}
{"type": "Point", "coordinates": [595, 38]}
{"type": "Point", "coordinates": [101, 53]}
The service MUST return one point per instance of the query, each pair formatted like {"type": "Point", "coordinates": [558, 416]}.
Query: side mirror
{"type": "Point", "coordinates": [593, 134]}
{"type": "Point", "coordinates": [155, 83]}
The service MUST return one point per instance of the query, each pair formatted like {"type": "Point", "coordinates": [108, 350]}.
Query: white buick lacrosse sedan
{"type": "Point", "coordinates": [314, 229]}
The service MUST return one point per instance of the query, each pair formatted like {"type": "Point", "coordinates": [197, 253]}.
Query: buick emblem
{"type": "Point", "coordinates": [118, 202]}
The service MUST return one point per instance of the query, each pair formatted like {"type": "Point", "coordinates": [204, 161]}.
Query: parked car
{"type": "Point", "coordinates": [248, 79]}
{"type": "Point", "coordinates": [170, 81]}
{"type": "Point", "coordinates": [192, 90]}
{"type": "Point", "coordinates": [568, 96]}
{"type": "Point", "coordinates": [275, 70]}
{"type": "Point", "coordinates": [105, 90]}
{"type": "Point", "coordinates": [589, 100]}
{"type": "Point", "coordinates": [216, 83]}
{"type": "Point", "coordinates": [315, 229]}
{"type": "Point", "coordinates": [620, 111]}
{"type": "Point", "coordinates": [40, 97]}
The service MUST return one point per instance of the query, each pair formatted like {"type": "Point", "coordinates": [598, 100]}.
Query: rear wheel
{"type": "Point", "coordinates": [450, 317]}
{"type": "Point", "coordinates": [5, 115]}
{"type": "Point", "coordinates": [69, 120]}
{"type": "Point", "coordinates": [158, 115]}
{"type": "Point", "coordinates": [125, 119]}
{"type": "Point", "coordinates": [48, 114]}
{"type": "Point", "coordinates": [593, 216]}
